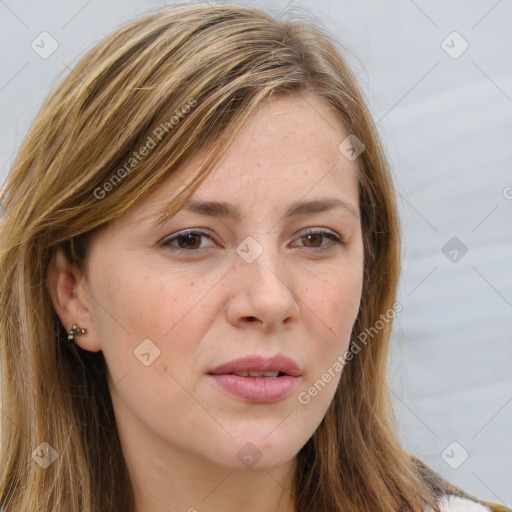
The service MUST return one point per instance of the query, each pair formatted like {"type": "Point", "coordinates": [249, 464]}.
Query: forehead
{"type": "Point", "coordinates": [290, 131]}
{"type": "Point", "coordinates": [287, 151]}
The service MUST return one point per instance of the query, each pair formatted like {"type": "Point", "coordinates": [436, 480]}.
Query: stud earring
{"type": "Point", "coordinates": [75, 331]}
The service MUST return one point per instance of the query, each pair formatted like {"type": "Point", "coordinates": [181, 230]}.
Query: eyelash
{"type": "Point", "coordinates": [338, 240]}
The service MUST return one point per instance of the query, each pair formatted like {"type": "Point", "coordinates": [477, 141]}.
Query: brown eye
{"type": "Point", "coordinates": [313, 239]}
{"type": "Point", "coordinates": [186, 241]}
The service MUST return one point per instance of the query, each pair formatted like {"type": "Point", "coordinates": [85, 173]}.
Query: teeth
{"type": "Point", "coordinates": [256, 374]}
{"type": "Point", "coordinates": [270, 374]}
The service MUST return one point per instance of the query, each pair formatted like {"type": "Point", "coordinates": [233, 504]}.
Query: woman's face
{"type": "Point", "coordinates": [168, 310]}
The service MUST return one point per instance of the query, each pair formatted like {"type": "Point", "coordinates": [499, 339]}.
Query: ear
{"type": "Point", "coordinates": [68, 289]}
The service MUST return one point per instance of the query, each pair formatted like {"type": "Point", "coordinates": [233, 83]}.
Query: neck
{"type": "Point", "coordinates": [185, 483]}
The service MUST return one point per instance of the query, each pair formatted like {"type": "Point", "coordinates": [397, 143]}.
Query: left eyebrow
{"type": "Point", "coordinates": [319, 205]}
{"type": "Point", "coordinates": [227, 210]}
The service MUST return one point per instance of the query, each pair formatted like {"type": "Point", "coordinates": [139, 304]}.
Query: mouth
{"type": "Point", "coordinates": [256, 379]}
{"type": "Point", "coordinates": [254, 374]}
{"type": "Point", "coordinates": [258, 366]}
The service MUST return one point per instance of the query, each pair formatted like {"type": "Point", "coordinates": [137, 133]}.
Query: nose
{"type": "Point", "coordinates": [263, 294]}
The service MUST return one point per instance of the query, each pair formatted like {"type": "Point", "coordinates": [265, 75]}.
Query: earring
{"type": "Point", "coordinates": [76, 331]}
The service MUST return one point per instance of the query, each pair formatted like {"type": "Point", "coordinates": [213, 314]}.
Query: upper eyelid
{"type": "Point", "coordinates": [207, 233]}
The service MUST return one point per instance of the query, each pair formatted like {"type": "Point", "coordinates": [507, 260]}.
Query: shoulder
{"type": "Point", "coordinates": [454, 503]}
{"type": "Point", "coordinates": [450, 498]}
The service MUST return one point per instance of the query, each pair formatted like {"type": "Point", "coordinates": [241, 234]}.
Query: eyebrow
{"type": "Point", "coordinates": [227, 210]}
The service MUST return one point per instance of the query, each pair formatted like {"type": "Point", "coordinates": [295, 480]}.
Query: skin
{"type": "Point", "coordinates": [180, 433]}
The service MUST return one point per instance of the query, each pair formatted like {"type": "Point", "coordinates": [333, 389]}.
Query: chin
{"type": "Point", "coordinates": [256, 452]}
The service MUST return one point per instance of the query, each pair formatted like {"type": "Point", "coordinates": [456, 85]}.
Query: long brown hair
{"type": "Point", "coordinates": [67, 182]}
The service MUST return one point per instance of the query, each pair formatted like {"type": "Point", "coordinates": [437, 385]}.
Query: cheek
{"type": "Point", "coordinates": [334, 306]}
{"type": "Point", "coordinates": [149, 324]}
{"type": "Point", "coordinates": [168, 308]}
{"type": "Point", "coordinates": [335, 300]}
{"type": "Point", "coordinates": [129, 303]}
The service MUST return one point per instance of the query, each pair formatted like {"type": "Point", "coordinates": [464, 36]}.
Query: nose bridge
{"type": "Point", "coordinates": [261, 256]}
{"type": "Point", "coordinates": [264, 280]}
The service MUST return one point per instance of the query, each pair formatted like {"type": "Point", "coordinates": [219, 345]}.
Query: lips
{"type": "Point", "coordinates": [256, 379]}
{"type": "Point", "coordinates": [257, 366]}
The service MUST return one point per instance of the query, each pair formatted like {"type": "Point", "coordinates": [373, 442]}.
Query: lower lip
{"type": "Point", "coordinates": [259, 390]}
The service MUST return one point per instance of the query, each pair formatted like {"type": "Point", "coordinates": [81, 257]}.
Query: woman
{"type": "Point", "coordinates": [199, 226]}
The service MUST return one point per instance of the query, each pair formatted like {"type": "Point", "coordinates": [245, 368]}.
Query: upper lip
{"type": "Point", "coordinates": [255, 363]}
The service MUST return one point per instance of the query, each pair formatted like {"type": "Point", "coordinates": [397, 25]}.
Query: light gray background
{"type": "Point", "coordinates": [446, 124]}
